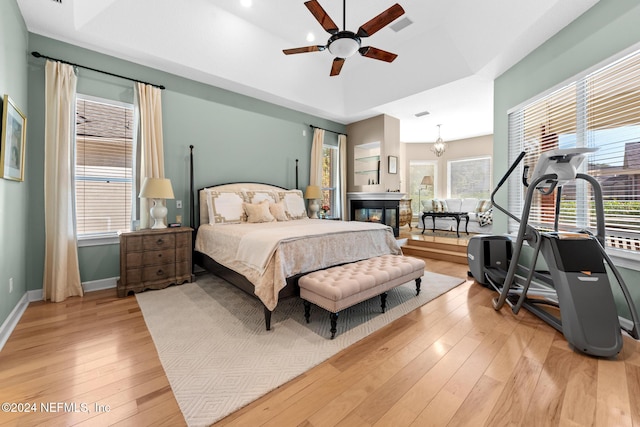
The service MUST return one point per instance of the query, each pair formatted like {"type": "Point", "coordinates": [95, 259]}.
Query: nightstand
{"type": "Point", "coordinates": [154, 259]}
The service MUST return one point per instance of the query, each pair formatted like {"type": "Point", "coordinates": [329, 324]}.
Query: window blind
{"type": "Point", "coordinates": [104, 171]}
{"type": "Point", "coordinates": [600, 110]}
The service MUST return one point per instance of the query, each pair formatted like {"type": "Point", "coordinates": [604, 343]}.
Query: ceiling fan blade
{"type": "Point", "coordinates": [304, 49]}
{"type": "Point", "coordinates": [336, 66]}
{"type": "Point", "coordinates": [375, 53]}
{"type": "Point", "coordinates": [321, 16]}
{"type": "Point", "coordinates": [380, 21]}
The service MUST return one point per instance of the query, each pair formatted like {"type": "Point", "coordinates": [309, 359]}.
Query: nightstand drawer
{"type": "Point", "coordinates": [167, 256]}
{"type": "Point", "coordinates": [159, 272]}
{"type": "Point", "coordinates": [162, 241]}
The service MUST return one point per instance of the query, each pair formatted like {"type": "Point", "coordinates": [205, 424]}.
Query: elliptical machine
{"type": "Point", "coordinates": [576, 280]}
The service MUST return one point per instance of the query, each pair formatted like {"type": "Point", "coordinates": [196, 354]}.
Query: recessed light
{"type": "Point", "coordinates": [246, 3]}
{"type": "Point", "coordinates": [311, 37]}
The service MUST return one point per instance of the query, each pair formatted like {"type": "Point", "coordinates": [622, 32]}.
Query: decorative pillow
{"type": "Point", "coordinates": [278, 211]}
{"type": "Point", "coordinates": [294, 203]}
{"type": "Point", "coordinates": [483, 205]}
{"type": "Point", "coordinates": [427, 205]}
{"type": "Point", "coordinates": [485, 218]}
{"type": "Point", "coordinates": [256, 196]}
{"type": "Point", "coordinates": [258, 212]}
{"type": "Point", "coordinates": [225, 207]}
{"type": "Point", "coordinates": [439, 205]}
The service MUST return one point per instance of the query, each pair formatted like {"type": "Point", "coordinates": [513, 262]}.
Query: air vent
{"type": "Point", "coordinates": [423, 113]}
{"type": "Point", "coordinates": [57, 1]}
{"type": "Point", "coordinates": [401, 24]}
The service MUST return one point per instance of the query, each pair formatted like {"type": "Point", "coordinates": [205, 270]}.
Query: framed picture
{"type": "Point", "coordinates": [393, 164]}
{"type": "Point", "coordinates": [14, 129]}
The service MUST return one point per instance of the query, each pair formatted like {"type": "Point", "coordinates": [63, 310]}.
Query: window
{"type": "Point", "coordinates": [330, 168]}
{"type": "Point", "coordinates": [103, 167]}
{"type": "Point", "coordinates": [469, 178]}
{"type": "Point", "coordinates": [600, 109]}
{"type": "Point", "coordinates": [418, 169]}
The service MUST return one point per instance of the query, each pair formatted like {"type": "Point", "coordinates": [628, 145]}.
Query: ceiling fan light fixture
{"type": "Point", "coordinates": [344, 44]}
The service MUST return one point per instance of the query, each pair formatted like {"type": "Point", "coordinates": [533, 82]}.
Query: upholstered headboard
{"type": "Point", "coordinates": [233, 186]}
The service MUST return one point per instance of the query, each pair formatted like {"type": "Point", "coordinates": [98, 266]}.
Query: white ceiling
{"type": "Point", "coordinates": [447, 59]}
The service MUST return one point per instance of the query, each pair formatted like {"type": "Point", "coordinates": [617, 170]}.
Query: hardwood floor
{"type": "Point", "coordinates": [454, 361]}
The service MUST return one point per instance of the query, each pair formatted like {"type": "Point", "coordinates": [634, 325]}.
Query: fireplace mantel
{"type": "Point", "coordinates": [387, 195]}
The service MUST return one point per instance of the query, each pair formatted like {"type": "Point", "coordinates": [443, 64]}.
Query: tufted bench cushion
{"type": "Point", "coordinates": [337, 288]}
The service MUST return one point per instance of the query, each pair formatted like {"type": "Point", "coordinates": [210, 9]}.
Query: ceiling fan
{"type": "Point", "coordinates": [344, 44]}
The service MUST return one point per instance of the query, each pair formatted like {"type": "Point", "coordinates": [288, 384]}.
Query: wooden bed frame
{"type": "Point", "coordinates": [291, 289]}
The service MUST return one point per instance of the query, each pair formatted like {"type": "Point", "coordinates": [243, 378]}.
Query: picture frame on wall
{"type": "Point", "coordinates": [393, 164]}
{"type": "Point", "coordinates": [12, 146]}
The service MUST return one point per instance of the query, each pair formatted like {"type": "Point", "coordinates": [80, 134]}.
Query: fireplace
{"type": "Point", "coordinates": [383, 211]}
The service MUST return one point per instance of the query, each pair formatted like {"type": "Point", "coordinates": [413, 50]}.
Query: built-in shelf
{"type": "Point", "coordinates": [366, 167]}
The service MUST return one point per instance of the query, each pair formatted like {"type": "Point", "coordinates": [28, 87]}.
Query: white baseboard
{"type": "Point", "coordinates": [98, 285]}
{"type": "Point", "coordinates": [36, 295]}
{"type": "Point", "coordinates": [14, 317]}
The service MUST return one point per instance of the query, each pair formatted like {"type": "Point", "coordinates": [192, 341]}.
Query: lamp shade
{"type": "Point", "coordinates": [313, 192]}
{"type": "Point", "coordinates": [156, 188]}
{"type": "Point", "coordinates": [427, 180]}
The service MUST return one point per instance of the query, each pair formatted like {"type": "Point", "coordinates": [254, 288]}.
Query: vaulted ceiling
{"type": "Point", "coordinates": [448, 55]}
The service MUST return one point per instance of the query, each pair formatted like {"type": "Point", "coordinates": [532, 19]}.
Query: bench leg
{"type": "Point", "coordinates": [334, 323]}
{"type": "Point", "coordinates": [383, 301]}
{"type": "Point", "coordinates": [267, 318]}
{"type": "Point", "coordinates": [418, 281]}
{"type": "Point", "coordinates": [307, 310]}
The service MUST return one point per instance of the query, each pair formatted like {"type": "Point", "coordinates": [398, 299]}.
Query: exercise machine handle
{"type": "Point", "coordinates": [502, 181]}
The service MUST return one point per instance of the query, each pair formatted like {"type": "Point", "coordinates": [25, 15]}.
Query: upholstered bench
{"type": "Point", "coordinates": [340, 287]}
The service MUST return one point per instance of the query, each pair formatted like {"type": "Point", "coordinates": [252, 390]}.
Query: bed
{"type": "Point", "coordinates": [258, 237]}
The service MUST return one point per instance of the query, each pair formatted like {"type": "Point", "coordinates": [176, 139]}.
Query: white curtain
{"type": "Point", "coordinates": [342, 177]}
{"type": "Point", "coordinates": [61, 277]}
{"type": "Point", "coordinates": [315, 167]}
{"type": "Point", "coordinates": [149, 101]}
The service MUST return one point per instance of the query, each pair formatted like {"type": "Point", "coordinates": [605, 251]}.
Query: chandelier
{"type": "Point", "coordinates": [439, 146]}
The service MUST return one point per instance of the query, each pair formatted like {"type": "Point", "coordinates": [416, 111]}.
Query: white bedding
{"type": "Point", "coordinates": [267, 253]}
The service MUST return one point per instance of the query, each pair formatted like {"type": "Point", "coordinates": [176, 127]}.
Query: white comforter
{"type": "Point", "coordinates": [267, 253]}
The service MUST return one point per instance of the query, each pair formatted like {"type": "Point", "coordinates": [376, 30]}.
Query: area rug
{"type": "Point", "coordinates": [218, 357]}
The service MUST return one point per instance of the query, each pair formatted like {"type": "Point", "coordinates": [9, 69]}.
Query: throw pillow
{"type": "Point", "coordinates": [483, 205]}
{"type": "Point", "coordinates": [294, 204]}
{"type": "Point", "coordinates": [427, 205]}
{"type": "Point", "coordinates": [485, 218]}
{"type": "Point", "coordinates": [258, 212]}
{"type": "Point", "coordinates": [278, 211]}
{"type": "Point", "coordinates": [225, 207]}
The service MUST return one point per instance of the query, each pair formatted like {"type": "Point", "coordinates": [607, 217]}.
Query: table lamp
{"type": "Point", "coordinates": [313, 194]}
{"type": "Point", "coordinates": [157, 189]}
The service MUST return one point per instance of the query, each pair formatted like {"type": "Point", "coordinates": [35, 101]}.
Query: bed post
{"type": "Point", "coordinates": [192, 212]}
{"type": "Point", "coordinates": [297, 174]}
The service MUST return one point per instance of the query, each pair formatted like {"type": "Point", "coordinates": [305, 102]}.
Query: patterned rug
{"type": "Point", "coordinates": [218, 357]}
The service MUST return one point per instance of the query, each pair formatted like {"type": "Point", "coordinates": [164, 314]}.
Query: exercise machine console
{"type": "Point", "coordinates": [576, 280]}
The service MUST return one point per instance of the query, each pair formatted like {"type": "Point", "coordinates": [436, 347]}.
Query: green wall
{"type": "Point", "coordinates": [235, 138]}
{"type": "Point", "coordinates": [13, 194]}
{"type": "Point", "coordinates": [611, 26]}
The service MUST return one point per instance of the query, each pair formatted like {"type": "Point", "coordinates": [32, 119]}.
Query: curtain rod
{"type": "Point", "coordinates": [327, 130]}
{"type": "Point", "coordinates": [39, 55]}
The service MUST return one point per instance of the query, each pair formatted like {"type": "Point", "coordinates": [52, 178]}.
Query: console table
{"type": "Point", "coordinates": [456, 215]}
